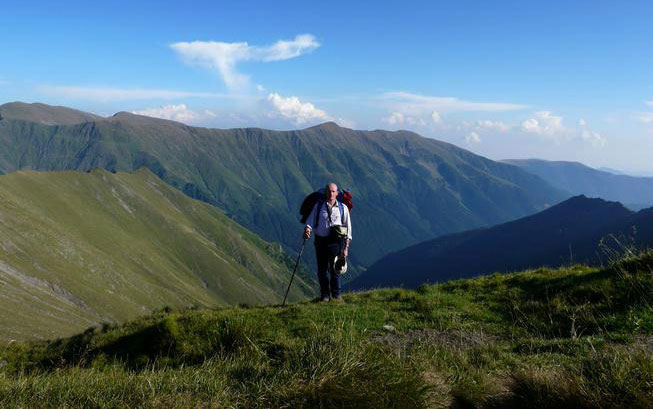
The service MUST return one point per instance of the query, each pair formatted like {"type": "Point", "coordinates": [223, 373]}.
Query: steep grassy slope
{"type": "Point", "coordinates": [576, 337]}
{"type": "Point", "coordinates": [576, 178]}
{"type": "Point", "coordinates": [407, 188]}
{"type": "Point", "coordinates": [80, 248]}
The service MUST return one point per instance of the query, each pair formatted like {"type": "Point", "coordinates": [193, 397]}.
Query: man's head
{"type": "Point", "coordinates": [331, 192]}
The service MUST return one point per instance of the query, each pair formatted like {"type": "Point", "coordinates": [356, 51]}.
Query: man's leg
{"type": "Point", "coordinates": [322, 256]}
{"type": "Point", "coordinates": [334, 279]}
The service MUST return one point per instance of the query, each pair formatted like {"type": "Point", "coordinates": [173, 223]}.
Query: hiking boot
{"type": "Point", "coordinates": [323, 299]}
{"type": "Point", "coordinates": [337, 299]}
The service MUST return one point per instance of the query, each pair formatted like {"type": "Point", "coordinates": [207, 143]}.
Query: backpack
{"type": "Point", "coordinates": [344, 197]}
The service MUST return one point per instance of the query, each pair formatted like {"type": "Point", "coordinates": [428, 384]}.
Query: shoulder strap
{"type": "Point", "coordinates": [328, 213]}
{"type": "Point", "coordinates": [342, 213]}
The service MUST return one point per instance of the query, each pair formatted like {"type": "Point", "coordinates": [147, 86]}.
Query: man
{"type": "Point", "coordinates": [325, 214]}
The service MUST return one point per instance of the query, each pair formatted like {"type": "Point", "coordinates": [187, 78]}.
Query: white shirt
{"type": "Point", "coordinates": [323, 218]}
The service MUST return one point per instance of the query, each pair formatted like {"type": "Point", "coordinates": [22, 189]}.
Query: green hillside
{"type": "Point", "coordinates": [78, 249]}
{"type": "Point", "coordinates": [407, 188]}
{"type": "Point", "coordinates": [574, 337]}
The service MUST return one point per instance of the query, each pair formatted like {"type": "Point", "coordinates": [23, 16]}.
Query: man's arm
{"type": "Point", "coordinates": [348, 240]}
{"type": "Point", "coordinates": [309, 223]}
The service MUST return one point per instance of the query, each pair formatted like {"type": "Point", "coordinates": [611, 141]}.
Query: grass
{"type": "Point", "coordinates": [82, 248]}
{"type": "Point", "coordinates": [573, 337]}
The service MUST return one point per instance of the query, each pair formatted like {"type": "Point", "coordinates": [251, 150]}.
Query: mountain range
{"type": "Point", "coordinates": [633, 191]}
{"type": "Point", "coordinates": [578, 230]}
{"type": "Point", "coordinates": [78, 249]}
{"type": "Point", "coordinates": [407, 188]}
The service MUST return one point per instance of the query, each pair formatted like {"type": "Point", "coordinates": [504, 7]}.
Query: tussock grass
{"type": "Point", "coordinates": [572, 337]}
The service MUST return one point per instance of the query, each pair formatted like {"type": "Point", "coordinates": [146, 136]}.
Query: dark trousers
{"type": "Point", "coordinates": [326, 272]}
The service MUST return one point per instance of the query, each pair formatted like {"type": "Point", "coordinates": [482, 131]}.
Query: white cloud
{"type": "Point", "coordinates": [594, 137]}
{"type": "Point", "coordinates": [285, 49]}
{"type": "Point", "coordinates": [649, 103]}
{"type": "Point", "coordinates": [395, 118]}
{"type": "Point", "coordinates": [398, 118]}
{"type": "Point", "coordinates": [105, 94]}
{"type": "Point", "coordinates": [224, 57]}
{"type": "Point", "coordinates": [544, 123]}
{"type": "Point", "coordinates": [411, 120]}
{"type": "Point", "coordinates": [472, 137]}
{"type": "Point", "coordinates": [547, 124]}
{"type": "Point", "coordinates": [179, 113]}
{"type": "Point", "coordinates": [414, 103]}
{"type": "Point", "coordinates": [296, 111]}
{"type": "Point", "coordinates": [493, 125]}
{"type": "Point", "coordinates": [586, 134]}
{"type": "Point", "coordinates": [426, 111]}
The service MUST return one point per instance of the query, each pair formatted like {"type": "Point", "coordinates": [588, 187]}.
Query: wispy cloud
{"type": "Point", "coordinates": [415, 103]}
{"type": "Point", "coordinates": [224, 57]}
{"type": "Point", "coordinates": [3, 81]}
{"type": "Point", "coordinates": [646, 117]}
{"type": "Point", "coordinates": [425, 113]}
{"type": "Point", "coordinates": [105, 94]}
{"type": "Point", "coordinates": [298, 112]}
{"type": "Point", "coordinates": [588, 135]}
{"type": "Point", "coordinates": [400, 119]}
{"type": "Point", "coordinates": [180, 113]}
{"type": "Point", "coordinates": [594, 137]}
{"type": "Point", "coordinates": [472, 137]}
{"type": "Point", "coordinates": [547, 124]}
{"type": "Point", "coordinates": [497, 126]}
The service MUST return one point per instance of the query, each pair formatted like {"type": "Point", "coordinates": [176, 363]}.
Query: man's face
{"type": "Point", "coordinates": [333, 192]}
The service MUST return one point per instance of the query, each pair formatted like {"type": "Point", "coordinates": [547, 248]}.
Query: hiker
{"type": "Point", "coordinates": [330, 218]}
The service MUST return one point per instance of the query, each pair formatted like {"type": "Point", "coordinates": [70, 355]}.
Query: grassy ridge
{"type": "Point", "coordinates": [77, 249]}
{"type": "Point", "coordinates": [573, 337]}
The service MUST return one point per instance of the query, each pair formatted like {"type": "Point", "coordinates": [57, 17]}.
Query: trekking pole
{"type": "Point", "coordinates": [293, 272]}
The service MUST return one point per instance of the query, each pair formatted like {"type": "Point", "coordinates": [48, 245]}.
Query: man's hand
{"type": "Point", "coordinates": [345, 252]}
{"type": "Point", "coordinates": [307, 233]}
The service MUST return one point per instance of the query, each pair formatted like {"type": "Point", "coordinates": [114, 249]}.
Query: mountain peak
{"type": "Point", "coordinates": [122, 114]}
{"type": "Point", "coordinates": [45, 114]}
{"type": "Point", "coordinates": [329, 126]}
{"type": "Point", "coordinates": [144, 120]}
{"type": "Point", "coordinates": [584, 203]}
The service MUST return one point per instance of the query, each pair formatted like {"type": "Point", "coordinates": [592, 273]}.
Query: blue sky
{"type": "Point", "coordinates": [551, 80]}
